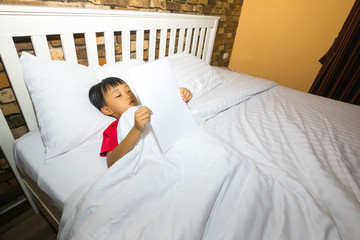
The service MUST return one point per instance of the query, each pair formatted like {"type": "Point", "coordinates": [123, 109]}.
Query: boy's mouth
{"type": "Point", "coordinates": [132, 102]}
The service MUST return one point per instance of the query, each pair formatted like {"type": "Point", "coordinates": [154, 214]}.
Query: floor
{"type": "Point", "coordinates": [27, 226]}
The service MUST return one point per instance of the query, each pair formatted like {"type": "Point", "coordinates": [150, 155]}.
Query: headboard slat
{"type": "Point", "coordinates": [163, 38]}
{"type": "Point", "coordinates": [209, 43]}
{"type": "Point", "coordinates": [172, 41]}
{"type": "Point", "coordinates": [152, 44]}
{"type": "Point", "coordinates": [109, 47]}
{"type": "Point", "coordinates": [91, 48]}
{"type": "Point", "coordinates": [181, 40]}
{"type": "Point", "coordinates": [188, 40]}
{"type": "Point", "coordinates": [125, 44]}
{"type": "Point", "coordinates": [206, 42]}
{"type": "Point", "coordinates": [194, 41]}
{"type": "Point", "coordinates": [41, 47]}
{"type": "Point", "coordinates": [140, 44]}
{"type": "Point", "coordinates": [201, 41]}
{"type": "Point", "coordinates": [68, 45]}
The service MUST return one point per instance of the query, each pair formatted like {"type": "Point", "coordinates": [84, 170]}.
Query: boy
{"type": "Point", "coordinates": [112, 96]}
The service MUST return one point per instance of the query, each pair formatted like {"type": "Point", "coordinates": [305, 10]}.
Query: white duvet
{"type": "Point", "coordinates": [202, 188]}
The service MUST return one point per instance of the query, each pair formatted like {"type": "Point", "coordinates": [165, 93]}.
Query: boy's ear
{"type": "Point", "coordinates": [106, 110]}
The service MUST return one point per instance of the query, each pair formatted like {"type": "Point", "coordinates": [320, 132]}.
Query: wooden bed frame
{"type": "Point", "coordinates": [172, 33]}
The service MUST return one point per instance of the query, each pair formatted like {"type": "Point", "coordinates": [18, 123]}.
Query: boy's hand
{"type": "Point", "coordinates": [185, 94]}
{"type": "Point", "coordinates": [142, 117]}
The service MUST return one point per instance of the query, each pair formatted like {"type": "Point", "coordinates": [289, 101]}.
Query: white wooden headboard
{"type": "Point", "coordinates": [193, 34]}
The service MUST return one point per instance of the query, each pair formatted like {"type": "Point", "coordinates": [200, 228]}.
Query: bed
{"type": "Point", "coordinates": [266, 161]}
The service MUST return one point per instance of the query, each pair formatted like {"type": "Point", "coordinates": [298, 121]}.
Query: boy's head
{"type": "Point", "coordinates": [112, 96]}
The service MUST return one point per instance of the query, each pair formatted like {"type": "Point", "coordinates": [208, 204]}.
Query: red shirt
{"type": "Point", "coordinates": [109, 139]}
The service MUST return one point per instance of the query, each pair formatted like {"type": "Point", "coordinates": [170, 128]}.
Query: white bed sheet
{"type": "Point", "coordinates": [66, 173]}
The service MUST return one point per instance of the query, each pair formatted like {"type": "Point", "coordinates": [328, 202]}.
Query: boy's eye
{"type": "Point", "coordinates": [118, 96]}
{"type": "Point", "coordinates": [129, 90]}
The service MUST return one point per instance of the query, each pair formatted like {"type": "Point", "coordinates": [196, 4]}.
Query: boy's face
{"type": "Point", "coordinates": [118, 99]}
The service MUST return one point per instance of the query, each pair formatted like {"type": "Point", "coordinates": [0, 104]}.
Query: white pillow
{"type": "Point", "coordinates": [59, 92]}
{"type": "Point", "coordinates": [194, 74]}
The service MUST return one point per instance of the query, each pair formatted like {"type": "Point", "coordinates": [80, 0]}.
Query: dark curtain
{"type": "Point", "coordinates": [339, 76]}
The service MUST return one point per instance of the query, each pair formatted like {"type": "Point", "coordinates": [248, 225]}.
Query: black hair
{"type": "Point", "coordinates": [96, 92]}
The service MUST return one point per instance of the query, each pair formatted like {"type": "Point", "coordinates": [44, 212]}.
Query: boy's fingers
{"type": "Point", "coordinates": [147, 109]}
{"type": "Point", "coordinates": [182, 92]}
{"type": "Point", "coordinates": [144, 109]}
{"type": "Point", "coordinates": [145, 114]}
{"type": "Point", "coordinates": [187, 96]}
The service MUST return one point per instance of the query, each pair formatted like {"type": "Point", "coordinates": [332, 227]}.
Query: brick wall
{"type": "Point", "coordinates": [228, 10]}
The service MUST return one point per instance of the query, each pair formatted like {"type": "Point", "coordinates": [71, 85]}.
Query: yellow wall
{"type": "Point", "coordinates": [283, 40]}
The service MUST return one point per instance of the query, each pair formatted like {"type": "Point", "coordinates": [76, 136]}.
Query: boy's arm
{"type": "Point", "coordinates": [142, 117]}
{"type": "Point", "coordinates": [126, 145]}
